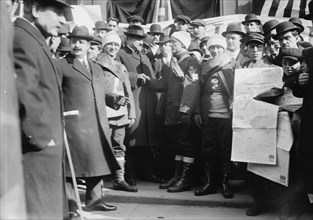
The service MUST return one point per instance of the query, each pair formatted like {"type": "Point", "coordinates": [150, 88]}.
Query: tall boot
{"type": "Point", "coordinates": [184, 183]}
{"type": "Point", "coordinates": [176, 177]}
{"type": "Point", "coordinates": [226, 190]}
{"type": "Point", "coordinates": [119, 181]}
{"type": "Point", "coordinates": [210, 186]}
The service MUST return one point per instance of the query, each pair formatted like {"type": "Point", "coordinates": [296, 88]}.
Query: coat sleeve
{"type": "Point", "coordinates": [31, 100]}
{"type": "Point", "coordinates": [129, 94]}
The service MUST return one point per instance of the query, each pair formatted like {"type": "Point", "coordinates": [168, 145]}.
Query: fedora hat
{"type": "Point", "coordinates": [269, 25]}
{"type": "Point", "coordinates": [81, 32]}
{"type": "Point", "coordinates": [250, 18]}
{"type": "Point", "coordinates": [197, 22]}
{"type": "Point", "coordinates": [183, 18]}
{"type": "Point", "coordinates": [233, 28]}
{"type": "Point", "coordinates": [155, 29]}
{"type": "Point", "coordinates": [254, 37]}
{"type": "Point", "coordinates": [297, 21]}
{"type": "Point", "coordinates": [164, 39]}
{"type": "Point", "coordinates": [135, 18]}
{"type": "Point", "coordinates": [284, 27]}
{"type": "Point", "coordinates": [135, 30]}
{"type": "Point", "coordinates": [64, 44]}
{"type": "Point", "coordinates": [100, 25]}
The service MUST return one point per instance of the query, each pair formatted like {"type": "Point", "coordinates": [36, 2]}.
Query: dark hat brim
{"type": "Point", "coordinates": [253, 20]}
{"type": "Point", "coordinates": [300, 26]}
{"type": "Point", "coordinates": [66, 49]}
{"type": "Point", "coordinates": [155, 32]}
{"type": "Point", "coordinates": [291, 58]}
{"type": "Point", "coordinates": [254, 40]}
{"type": "Point", "coordinates": [296, 28]}
{"type": "Point", "coordinates": [136, 35]}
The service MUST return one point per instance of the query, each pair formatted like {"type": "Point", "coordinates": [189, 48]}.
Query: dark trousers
{"type": "Point", "coordinates": [93, 192]}
{"type": "Point", "coordinates": [216, 139]}
{"type": "Point", "coordinates": [257, 187]}
{"type": "Point", "coordinates": [181, 140]}
{"type": "Point", "coordinates": [117, 138]}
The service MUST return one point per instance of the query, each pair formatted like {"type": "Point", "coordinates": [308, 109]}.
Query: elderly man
{"type": "Point", "coordinates": [86, 121]}
{"type": "Point", "coordinates": [40, 107]}
{"type": "Point", "coordinates": [181, 95]}
{"type": "Point", "coordinates": [118, 86]}
{"type": "Point", "coordinates": [234, 35]}
{"type": "Point", "coordinates": [142, 134]}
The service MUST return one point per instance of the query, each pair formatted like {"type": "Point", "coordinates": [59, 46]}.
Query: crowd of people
{"type": "Point", "coordinates": [152, 106]}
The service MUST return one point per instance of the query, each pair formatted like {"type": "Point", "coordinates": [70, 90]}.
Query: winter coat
{"type": "Point", "coordinates": [86, 121]}
{"type": "Point", "coordinates": [41, 117]}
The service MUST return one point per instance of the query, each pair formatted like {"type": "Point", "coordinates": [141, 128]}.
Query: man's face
{"type": "Point", "coordinates": [100, 33]}
{"type": "Point", "coordinates": [288, 40]}
{"type": "Point", "coordinates": [197, 31]}
{"type": "Point", "coordinates": [255, 51]}
{"type": "Point", "coordinates": [216, 50]}
{"type": "Point", "coordinates": [252, 27]}
{"type": "Point", "coordinates": [233, 41]}
{"type": "Point", "coordinates": [181, 26]}
{"type": "Point", "coordinates": [290, 66]}
{"type": "Point", "coordinates": [49, 20]}
{"type": "Point", "coordinates": [166, 49]}
{"type": "Point", "coordinates": [111, 48]}
{"type": "Point", "coordinates": [204, 47]}
{"type": "Point", "coordinates": [135, 43]}
{"type": "Point", "coordinates": [273, 46]}
{"type": "Point", "coordinates": [94, 51]}
{"type": "Point", "coordinates": [112, 25]}
{"type": "Point", "coordinates": [177, 46]}
{"type": "Point", "coordinates": [155, 38]}
{"type": "Point", "coordinates": [79, 47]}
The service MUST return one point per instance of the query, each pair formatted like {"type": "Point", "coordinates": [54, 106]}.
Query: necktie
{"type": "Point", "coordinates": [85, 64]}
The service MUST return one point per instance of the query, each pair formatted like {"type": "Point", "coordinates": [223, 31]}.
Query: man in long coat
{"type": "Point", "coordinates": [40, 107]}
{"type": "Point", "coordinates": [142, 133]}
{"type": "Point", "coordinates": [86, 121]}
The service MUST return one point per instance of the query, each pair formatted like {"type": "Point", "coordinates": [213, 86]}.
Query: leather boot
{"type": "Point", "coordinates": [226, 190]}
{"type": "Point", "coordinates": [184, 183]}
{"type": "Point", "coordinates": [175, 178]}
{"type": "Point", "coordinates": [119, 182]}
{"type": "Point", "coordinates": [209, 187]}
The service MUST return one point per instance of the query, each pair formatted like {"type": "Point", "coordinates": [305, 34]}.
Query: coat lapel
{"type": "Point", "coordinates": [80, 68]}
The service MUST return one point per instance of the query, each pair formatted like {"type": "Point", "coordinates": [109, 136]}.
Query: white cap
{"type": "Point", "coordinates": [216, 39]}
{"type": "Point", "coordinates": [183, 37]}
{"type": "Point", "coordinates": [111, 37]}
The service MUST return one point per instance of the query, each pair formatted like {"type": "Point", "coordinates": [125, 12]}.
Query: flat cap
{"type": "Point", "coordinates": [291, 53]}
{"type": "Point", "coordinates": [254, 37]}
{"type": "Point", "coordinates": [183, 18]}
{"type": "Point", "coordinates": [197, 22]}
{"type": "Point", "coordinates": [135, 18]}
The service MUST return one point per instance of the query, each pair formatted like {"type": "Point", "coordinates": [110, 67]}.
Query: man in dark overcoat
{"type": "Point", "coordinates": [142, 134]}
{"type": "Point", "coordinates": [40, 107]}
{"type": "Point", "coordinates": [86, 121]}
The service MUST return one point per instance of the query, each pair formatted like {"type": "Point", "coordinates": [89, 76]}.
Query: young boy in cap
{"type": "Point", "coordinates": [251, 23]}
{"type": "Point", "coordinates": [95, 48]}
{"type": "Point", "coordinates": [122, 116]}
{"type": "Point", "coordinates": [41, 118]}
{"type": "Point", "coordinates": [197, 28]}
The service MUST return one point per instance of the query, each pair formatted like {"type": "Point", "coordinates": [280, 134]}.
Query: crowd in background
{"type": "Point", "coordinates": [147, 106]}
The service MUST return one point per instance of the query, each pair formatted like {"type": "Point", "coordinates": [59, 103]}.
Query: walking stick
{"type": "Point", "coordinates": [68, 153]}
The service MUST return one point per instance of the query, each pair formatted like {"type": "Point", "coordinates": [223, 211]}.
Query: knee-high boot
{"type": "Point", "coordinates": [210, 186]}
{"type": "Point", "coordinates": [184, 183]}
{"type": "Point", "coordinates": [176, 177]}
{"type": "Point", "coordinates": [226, 190]}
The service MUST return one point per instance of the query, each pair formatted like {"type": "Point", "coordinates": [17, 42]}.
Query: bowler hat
{"type": "Point", "coordinates": [233, 28]}
{"type": "Point", "coordinates": [284, 27]}
{"type": "Point", "coordinates": [297, 21]}
{"type": "Point", "coordinates": [135, 18]}
{"type": "Point", "coordinates": [291, 53]}
{"type": "Point", "coordinates": [155, 29]}
{"type": "Point", "coordinates": [100, 25]}
{"type": "Point", "coordinates": [96, 40]}
{"type": "Point", "coordinates": [197, 22]}
{"type": "Point", "coordinates": [254, 37]}
{"type": "Point", "coordinates": [194, 46]}
{"type": "Point", "coordinates": [64, 44]}
{"type": "Point", "coordinates": [135, 30]}
{"type": "Point", "coordinates": [183, 18]}
{"type": "Point", "coordinates": [164, 39]}
{"type": "Point", "coordinates": [250, 18]}
{"type": "Point", "coordinates": [81, 32]}
{"type": "Point", "coordinates": [269, 25]}
{"type": "Point", "coordinates": [310, 15]}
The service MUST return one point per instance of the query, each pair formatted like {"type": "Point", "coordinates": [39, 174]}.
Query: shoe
{"type": "Point", "coordinates": [124, 186]}
{"type": "Point", "coordinates": [131, 181]}
{"type": "Point", "coordinates": [101, 207]}
{"type": "Point", "coordinates": [255, 210]}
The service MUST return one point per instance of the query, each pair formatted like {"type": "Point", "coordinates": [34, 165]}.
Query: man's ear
{"type": "Point", "coordinates": [35, 10]}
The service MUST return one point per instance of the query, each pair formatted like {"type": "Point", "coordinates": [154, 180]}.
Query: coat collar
{"type": "Point", "coordinates": [79, 66]}
{"type": "Point", "coordinates": [134, 54]}
{"type": "Point", "coordinates": [107, 62]}
{"type": "Point", "coordinates": [30, 29]}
